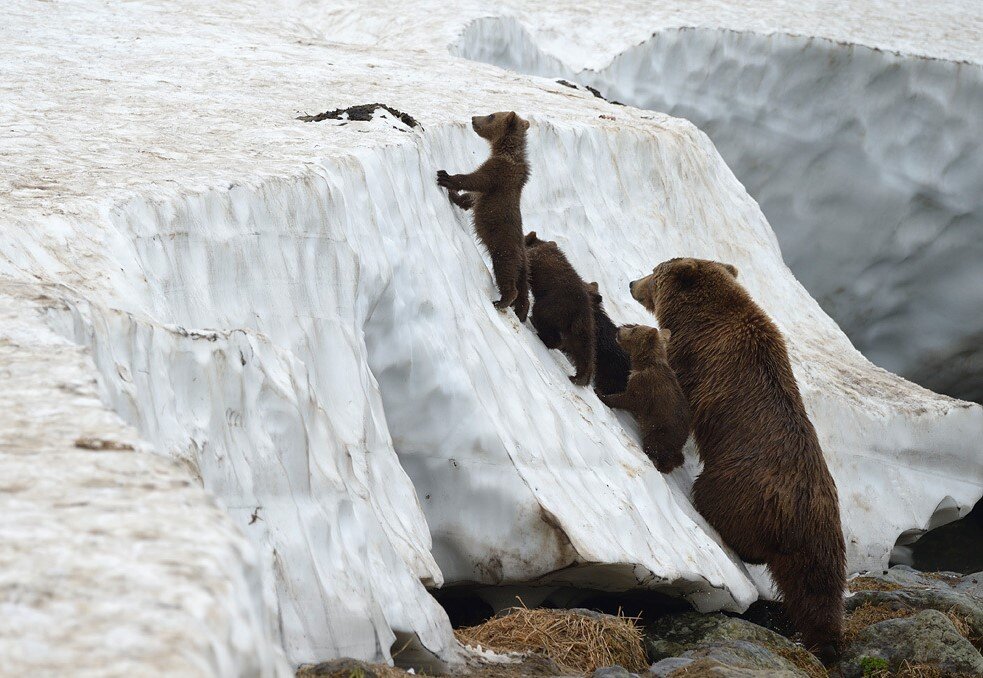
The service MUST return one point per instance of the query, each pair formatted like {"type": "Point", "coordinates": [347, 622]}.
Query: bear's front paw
{"type": "Point", "coordinates": [444, 179]}
{"type": "Point", "coordinates": [669, 462]}
{"type": "Point", "coordinates": [580, 380]}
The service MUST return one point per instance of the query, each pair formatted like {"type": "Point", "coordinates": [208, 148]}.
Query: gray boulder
{"type": "Point", "coordinates": [666, 666]}
{"type": "Point", "coordinates": [613, 672]}
{"type": "Point", "coordinates": [728, 641]}
{"type": "Point", "coordinates": [927, 637]}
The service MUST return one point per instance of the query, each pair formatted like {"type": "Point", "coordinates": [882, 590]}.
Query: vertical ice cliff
{"type": "Point", "coordinates": [294, 312]}
{"type": "Point", "coordinates": [867, 162]}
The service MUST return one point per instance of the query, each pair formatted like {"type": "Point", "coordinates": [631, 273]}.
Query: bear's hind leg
{"type": "Point", "coordinates": [521, 303]}
{"type": "Point", "coordinates": [506, 268]}
{"type": "Point", "coordinates": [811, 586]}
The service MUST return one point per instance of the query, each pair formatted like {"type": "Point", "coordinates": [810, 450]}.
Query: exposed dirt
{"type": "Point", "coordinates": [360, 113]}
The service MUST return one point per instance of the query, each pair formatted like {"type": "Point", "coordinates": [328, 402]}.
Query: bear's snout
{"type": "Point", "coordinates": [631, 287]}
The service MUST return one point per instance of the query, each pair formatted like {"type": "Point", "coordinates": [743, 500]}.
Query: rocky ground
{"type": "Point", "coordinates": [900, 623]}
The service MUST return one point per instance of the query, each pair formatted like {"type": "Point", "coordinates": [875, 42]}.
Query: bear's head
{"type": "Point", "coordinates": [594, 292]}
{"type": "Point", "coordinates": [679, 276]}
{"type": "Point", "coordinates": [496, 126]}
{"type": "Point", "coordinates": [643, 344]}
{"type": "Point", "coordinates": [532, 240]}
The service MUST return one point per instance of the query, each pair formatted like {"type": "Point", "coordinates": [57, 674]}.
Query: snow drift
{"type": "Point", "coordinates": [867, 162]}
{"type": "Point", "coordinates": [296, 313]}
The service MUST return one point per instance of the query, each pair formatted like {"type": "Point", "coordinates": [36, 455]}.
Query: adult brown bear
{"type": "Point", "coordinates": [765, 486]}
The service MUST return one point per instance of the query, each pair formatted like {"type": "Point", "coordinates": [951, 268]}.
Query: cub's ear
{"type": "Point", "coordinates": [665, 334]}
{"type": "Point", "coordinates": [525, 124]}
{"type": "Point", "coordinates": [592, 287]}
{"type": "Point", "coordinates": [531, 238]}
{"type": "Point", "coordinates": [731, 269]}
{"type": "Point", "coordinates": [511, 120]}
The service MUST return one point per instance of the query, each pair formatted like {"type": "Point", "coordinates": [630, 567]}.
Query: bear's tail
{"type": "Point", "coordinates": [811, 581]}
{"type": "Point", "coordinates": [583, 346]}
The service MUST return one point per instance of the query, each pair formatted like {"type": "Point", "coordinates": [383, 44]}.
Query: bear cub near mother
{"type": "Point", "coordinates": [613, 364]}
{"type": "Point", "coordinates": [765, 486]}
{"type": "Point", "coordinates": [562, 312]}
{"type": "Point", "coordinates": [653, 396]}
{"type": "Point", "coordinates": [493, 192]}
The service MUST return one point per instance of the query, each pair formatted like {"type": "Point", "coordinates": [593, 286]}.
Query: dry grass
{"type": "Point", "coordinates": [948, 578]}
{"type": "Point", "coordinates": [871, 584]}
{"type": "Point", "coordinates": [800, 658]}
{"type": "Point", "coordinates": [909, 670]}
{"type": "Point", "coordinates": [571, 640]}
{"type": "Point", "coordinates": [966, 629]}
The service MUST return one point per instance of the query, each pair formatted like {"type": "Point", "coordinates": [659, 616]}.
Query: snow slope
{"type": "Point", "coordinates": [296, 314]}
{"type": "Point", "coordinates": [862, 146]}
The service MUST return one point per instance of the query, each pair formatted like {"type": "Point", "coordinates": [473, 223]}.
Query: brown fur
{"type": "Point", "coordinates": [653, 396]}
{"type": "Point", "coordinates": [562, 313]}
{"type": "Point", "coordinates": [493, 192]}
{"type": "Point", "coordinates": [765, 486]}
{"type": "Point", "coordinates": [612, 365]}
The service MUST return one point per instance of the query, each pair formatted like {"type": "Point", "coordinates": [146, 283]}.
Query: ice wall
{"type": "Point", "coordinates": [867, 163]}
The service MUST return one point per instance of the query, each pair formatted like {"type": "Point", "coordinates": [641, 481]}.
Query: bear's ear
{"type": "Point", "coordinates": [511, 121]}
{"type": "Point", "coordinates": [531, 238]}
{"type": "Point", "coordinates": [592, 287]}
{"type": "Point", "coordinates": [525, 124]}
{"type": "Point", "coordinates": [686, 271]}
{"type": "Point", "coordinates": [665, 334]}
{"type": "Point", "coordinates": [731, 269]}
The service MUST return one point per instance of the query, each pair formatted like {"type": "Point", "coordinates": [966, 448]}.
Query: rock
{"type": "Point", "coordinates": [938, 596]}
{"type": "Point", "coordinates": [928, 638]}
{"type": "Point", "coordinates": [613, 672]}
{"type": "Point", "coordinates": [729, 640]}
{"type": "Point", "coordinates": [712, 669]}
{"type": "Point", "coordinates": [744, 654]}
{"type": "Point", "coordinates": [338, 668]}
{"type": "Point", "coordinates": [971, 585]}
{"type": "Point", "coordinates": [666, 666]}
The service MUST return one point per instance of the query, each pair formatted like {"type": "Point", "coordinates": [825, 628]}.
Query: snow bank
{"type": "Point", "coordinates": [296, 313]}
{"type": "Point", "coordinates": [112, 560]}
{"type": "Point", "coordinates": [868, 163]}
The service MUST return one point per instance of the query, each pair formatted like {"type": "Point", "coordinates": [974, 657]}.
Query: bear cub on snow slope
{"type": "Point", "coordinates": [653, 396]}
{"type": "Point", "coordinates": [493, 192]}
{"type": "Point", "coordinates": [765, 486]}
{"type": "Point", "coordinates": [562, 312]}
{"type": "Point", "coordinates": [612, 365]}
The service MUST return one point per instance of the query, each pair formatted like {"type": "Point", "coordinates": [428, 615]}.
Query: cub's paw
{"type": "Point", "coordinates": [444, 179]}
{"type": "Point", "coordinates": [580, 380]}
{"type": "Point", "coordinates": [667, 463]}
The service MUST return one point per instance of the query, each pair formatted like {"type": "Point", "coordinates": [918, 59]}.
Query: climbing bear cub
{"type": "Point", "coordinates": [612, 365]}
{"type": "Point", "coordinates": [562, 313]}
{"type": "Point", "coordinates": [765, 486]}
{"type": "Point", "coordinates": [653, 396]}
{"type": "Point", "coordinates": [493, 192]}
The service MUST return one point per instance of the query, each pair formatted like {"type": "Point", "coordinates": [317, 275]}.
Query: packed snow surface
{"type": "Point", "coordinates": [296, 315]}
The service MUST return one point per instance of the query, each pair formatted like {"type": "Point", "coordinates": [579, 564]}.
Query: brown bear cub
{"type": "Point", "coordinates": [493, 192]}
{"type": "Point", "coordinates": [562, 313]}
{"type": "Point", "coordinates": [653, 396]}
{"type": "Point", "coordinates": [765, 485]}
{"type": "Point", "coordinates": [612, 364]}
